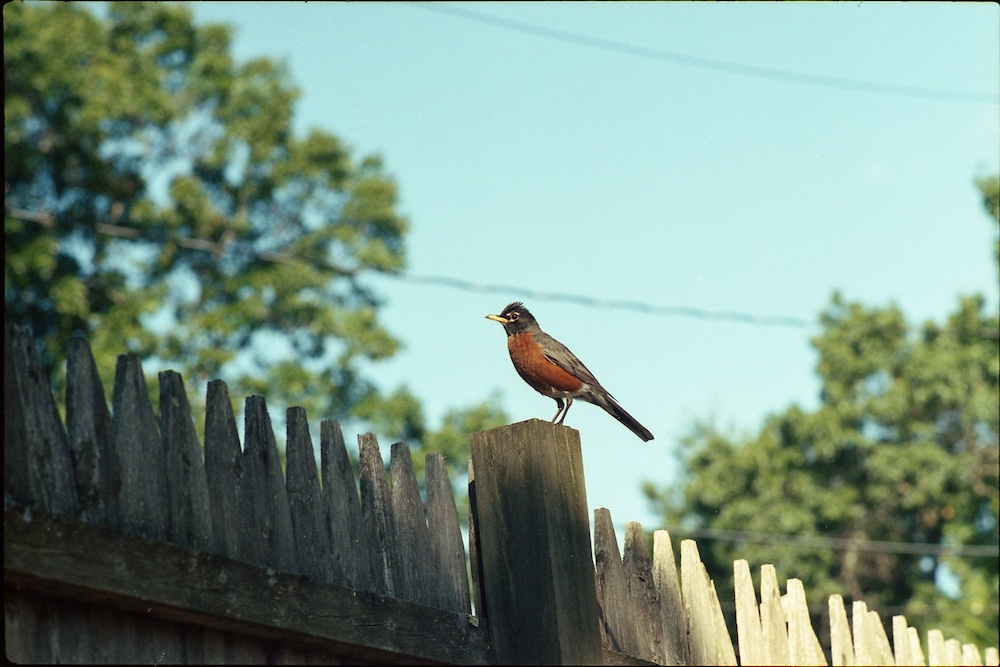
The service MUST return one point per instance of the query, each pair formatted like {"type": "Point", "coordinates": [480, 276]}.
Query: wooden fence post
{"type": "Point", "coordinates": [533, 533]}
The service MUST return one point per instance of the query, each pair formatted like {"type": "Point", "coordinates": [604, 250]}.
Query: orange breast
{"type": "Point", "coordinates": [536, 369]}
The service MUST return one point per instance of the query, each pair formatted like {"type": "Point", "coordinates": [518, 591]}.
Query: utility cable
{"type": "Point", "coordinates": [727, 67]}
{"type": "Point", "coordinates": [842, 543]}
{"type": "Point", "coordinates": [213, 247]}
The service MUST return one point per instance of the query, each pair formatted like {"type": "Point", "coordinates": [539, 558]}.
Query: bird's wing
{"type": "Point", "coordinates": [560, 355]}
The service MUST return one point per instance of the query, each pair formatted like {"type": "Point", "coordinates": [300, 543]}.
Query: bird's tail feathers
{"type": "Point", "coordinates": [611, 406]}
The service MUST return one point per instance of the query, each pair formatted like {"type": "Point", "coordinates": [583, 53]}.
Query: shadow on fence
{"type": "Point", "coordinates": [126, 541]}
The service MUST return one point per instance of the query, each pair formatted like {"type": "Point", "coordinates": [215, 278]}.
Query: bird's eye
{"type": "Point", "coordinates": [513, 316]}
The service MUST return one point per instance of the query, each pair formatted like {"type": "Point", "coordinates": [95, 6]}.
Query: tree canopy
{"type": "Point", "coordinates": [903, 449]}
{"type": "Point", "coordinates": [158, 201]}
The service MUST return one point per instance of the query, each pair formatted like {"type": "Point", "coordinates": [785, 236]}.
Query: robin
{"type": "Point", "coordinates": [552, 370]}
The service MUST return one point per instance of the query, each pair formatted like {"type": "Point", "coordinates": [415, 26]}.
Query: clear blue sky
{"type": "Point", "coordinates": [601, 165]}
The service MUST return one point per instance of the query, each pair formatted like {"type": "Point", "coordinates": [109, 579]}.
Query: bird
{"type": "Point", "coordinates": [552, 370]}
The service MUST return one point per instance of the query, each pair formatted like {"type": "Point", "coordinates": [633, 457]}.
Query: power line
{"type": "Point", "coordinates": [710, 63]}
{"type": "Point", "coordinates": [607, 304]}
{"type": "Point", "coordinates": [842, 543]}
{"type": "Point", "coordinates": [48, 219]}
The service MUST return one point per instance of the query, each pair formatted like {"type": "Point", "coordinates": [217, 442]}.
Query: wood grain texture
{"type": "Point", "coordinates": [306, 505]}
{"type": "Point", "coordinates": [753, 648]}
{"type": "Point", "coordinates": [412, 542]}
{"type": "Point", "coordinates": [38, 449]}
{"type": "Point", "coordinates": [803, 644]}
{"type": "Point", "coordinates": [841, 642]}
{"type": "Point", "coordinates": [772, 617]}
{"type": "Point", "coordinates": [144, 500]}
{"type": "Point", "coordinates": [709, 637]}
{"type": "Point", "coordinates": [79, 561]}
{"type": "Point", "coordinates": [255, 551]}
{"type": "Point", "coordinates": [377, 518]}
{"type": "Point", "coordinates": [187, 486]}
{"type": "Point", "coordinates": [225, 470]}
{"type": "Point", "coordinates": [533, 532]}
{"type": "Point", "coordinates": [91, 441]}
{"type": "Point", "coordinates": [349, 561]}
{"type": "Point", "coordinates": [451, 577]}
{"type": "Point", "coordinates": [626, 591]}
{"type": "Point", "coordinates": [264, 497]}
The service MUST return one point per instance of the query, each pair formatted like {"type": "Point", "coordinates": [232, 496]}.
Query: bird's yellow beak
{"type": "Point", "coordinates": [497, 318]}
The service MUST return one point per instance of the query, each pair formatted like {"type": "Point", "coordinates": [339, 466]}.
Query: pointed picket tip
{"type": "Point", "coordinates": [673, 615]}
{"type": "Point", "coordinates": [711, 643]}
{"type": "Point", "coordinates": [349, 559]}
{"type": "Point", "coordinates": [376, 517]}
{"type": "Point", "coordinates": [224, 474]}
{"type": "Point", "coordinates": [446, 538]}
{"type": "Point", "coordinates": [805, 647]}
{"type": "Point", "coordinates": [90, 433]}
{"type": "Point", "coordinates": [265, 496]}
{"type": "Point", "coordinates": [841, 642]}
{"type": "Point", "coordinates": [750, 637]}
{"type": "Point", "coordinates": [310, 524]}
{"type": "Point", "coordinates": [36, 449]}
{"type": "Point", "coordinates": [145, 499]}
{"type": "Point", "coordinates": [187, 485]}
{"type": "Point", "coordinates": [412, 540]}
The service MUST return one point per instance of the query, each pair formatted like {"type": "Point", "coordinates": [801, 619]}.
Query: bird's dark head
{"type": "Point", "coordinates": [515, 318]}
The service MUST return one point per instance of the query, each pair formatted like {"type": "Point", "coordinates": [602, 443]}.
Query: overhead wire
{"type": "Point", "coordinates": [213, 247]}
{"type": "Point", "coordinates": [606, 304]}
{"type": "Point", "coordinates": [728, 67]}
{"type": "Point", "coordinates": [842, 543]}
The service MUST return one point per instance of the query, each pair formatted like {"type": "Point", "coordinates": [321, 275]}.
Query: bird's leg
{"type": "Point", "coordinates": [558, 410]}
{"type": "Point", "coordinates": [569, 402]}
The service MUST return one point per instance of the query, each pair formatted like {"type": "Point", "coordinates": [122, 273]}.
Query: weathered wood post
{"type": "Point", "coordinates": [533, 532]}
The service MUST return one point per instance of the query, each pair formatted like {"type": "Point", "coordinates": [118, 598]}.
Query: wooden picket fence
{"type": "Point", "coordinates": [126, 541]}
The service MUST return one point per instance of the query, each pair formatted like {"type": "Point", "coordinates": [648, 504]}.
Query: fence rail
{"type": "Point", "coordinates": [125, 540]}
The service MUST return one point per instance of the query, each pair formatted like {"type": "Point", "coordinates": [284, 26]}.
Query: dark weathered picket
{"type": "Point", "coordinates": [451, 579]}
{"type": "Point", "coordinates": [190, 518]}
{"type": "Point", "coordinates": [310, 524]}
{"type": "Point", "coordinates": [377, 519]}
{"type": "Point", "coordinates": [224, 472]}
{"type": "Point", "coordinates": [16, 457]}
{"type": "Point", "coordinates": [145, 498]}
{"type": "Point", "coordinates": [148, 476]}
{"type": "Point", "coordinates": [412, 543]}
{"type": "Point", "coordinates": [475, 562]}
{"type": "Point", "coordinates": [630, 603]}
{"type": "Point", "coordinates": [90, 434]}
{"type": "Point", "coordinates": [349, 548]}
{"type": "Point", "coordinates": [271, 542]}
{"type": "Point", "coordinates": [39, 464]}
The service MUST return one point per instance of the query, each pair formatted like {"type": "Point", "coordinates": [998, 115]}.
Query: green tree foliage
{"type": "Point", "coordinates": [903, 448]}
{"type": "Point", "coordinates": [157, 201]}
